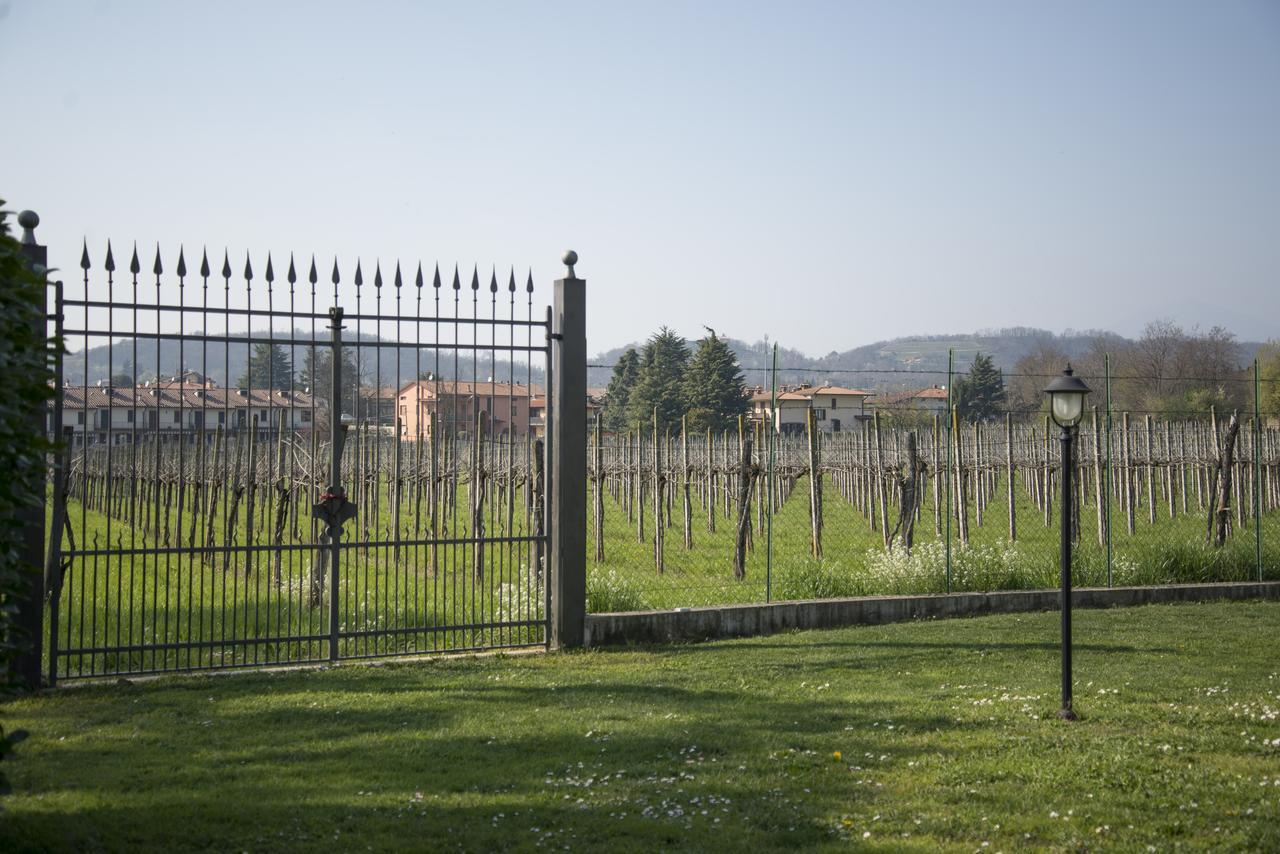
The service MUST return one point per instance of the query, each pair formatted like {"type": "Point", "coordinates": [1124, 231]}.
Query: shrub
{"type": "Point", "coordinates": [610, 591]}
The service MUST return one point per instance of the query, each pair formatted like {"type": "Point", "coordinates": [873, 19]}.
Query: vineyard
{"type": "Point", "coordinates": [209, 554]}
{"type": "Point", "coordinates": [681, 520]}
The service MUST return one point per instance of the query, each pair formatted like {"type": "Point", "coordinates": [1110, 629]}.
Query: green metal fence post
{"type": "Point", "coordinates": [771, 426]}
{"type": "Point", "coordinates": [1257, 467]}
{"type": "Point", "coordinates": [1106, 362]}
{"type": "Point", "coordinates": [950, 369]}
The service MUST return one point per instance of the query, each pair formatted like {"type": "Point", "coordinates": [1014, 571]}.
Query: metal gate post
{"type": "Point", "coordinates": [335, 471]}
{"type": "Point", "coordinates": [30, 618]}
{"type": "Point", "coordinates": [568, 407]}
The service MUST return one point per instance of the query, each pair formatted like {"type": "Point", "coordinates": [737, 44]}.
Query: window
{"type": "Point", "coordinates": [128, 416]}
{"type": "Point", "coordinates": [79, 417]}
{"type": "Point", "coordinates": [222, 417]}
{"type": "Point", "coordinates": [820, 414]}
{"type": "Point", "coordinates": [306, 416]}
{"type": "Point", "coordinates": [833, 403]}
{"type": "Point", "coordinates": [515, 409]}
{"type": "Point", "coordinates": [177, 417]}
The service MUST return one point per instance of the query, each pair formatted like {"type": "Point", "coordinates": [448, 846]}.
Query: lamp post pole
{"type": "Point", "coordinates": [1066, 712]}
{"type": "Point", "coordinates": [1066, 406]}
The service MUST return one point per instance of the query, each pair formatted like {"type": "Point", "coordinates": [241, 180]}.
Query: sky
{"type": "Point", "coordinates": [824, 174]}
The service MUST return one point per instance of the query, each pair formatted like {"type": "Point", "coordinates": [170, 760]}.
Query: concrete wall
{"type": "Point", "coordinates": [691, 624]}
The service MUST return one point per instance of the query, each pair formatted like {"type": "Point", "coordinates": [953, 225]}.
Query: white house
{"type": "Point", "coordinates": [836, 408]}
{"type": "Point", "coordinates": [101, 414]}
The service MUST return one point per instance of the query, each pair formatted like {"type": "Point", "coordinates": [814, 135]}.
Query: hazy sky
{"type": "Point", "coordinates": [827, 174]}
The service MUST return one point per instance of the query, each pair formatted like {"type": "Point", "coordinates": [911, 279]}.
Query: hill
{"type": "Point", "coordinates": [910, 362]}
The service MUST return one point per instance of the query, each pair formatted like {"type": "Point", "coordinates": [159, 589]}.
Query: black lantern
{"type": "Point", "coordinates": [1066, 405]}
{"type": "Point", "coordinates": [1066, 398]}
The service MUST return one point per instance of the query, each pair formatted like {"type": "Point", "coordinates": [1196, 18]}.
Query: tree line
{"type": "Point", "coordinates": [1168, 371]}
{"type": "Point", "coordinates": [666, 381]}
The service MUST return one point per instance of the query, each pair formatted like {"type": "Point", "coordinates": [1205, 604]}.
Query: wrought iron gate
{"type": "Point", "coordinates": [257, 471]}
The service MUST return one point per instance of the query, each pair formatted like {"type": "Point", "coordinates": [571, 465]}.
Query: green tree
{"type": "Point", "coordinates": [980, 394]}
{"type": "Point", "coordinates": [625, 373]}
{"type": "Point", "coordinates": [714, 388]}
{"type": "Point", "coordinates": [269, 367]}
{"type": "Point", "coordinates": [316, 374]}
{"type": "Point", "coordinates": [659, 382]}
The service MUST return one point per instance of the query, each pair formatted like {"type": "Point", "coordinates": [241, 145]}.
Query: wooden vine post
{"type": "Point", "coordinates": [815, 487]}
{"type": "Point", "coordinates": [1220, 516]}
{"type": "Point", "coordinates": [745, 479]}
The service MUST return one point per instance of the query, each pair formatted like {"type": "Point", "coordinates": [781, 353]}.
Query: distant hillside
{"type": "Point", "coordinates": [885, 365]}
{"type": "Point", "coordinates": [901, 362]}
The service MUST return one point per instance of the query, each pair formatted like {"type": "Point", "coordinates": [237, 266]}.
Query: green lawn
{"type": "Point", "coordinates": [910, 736]}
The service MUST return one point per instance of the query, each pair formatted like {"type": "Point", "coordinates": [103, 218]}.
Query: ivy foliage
{"type": "Point", "coordinates": [25, 360]}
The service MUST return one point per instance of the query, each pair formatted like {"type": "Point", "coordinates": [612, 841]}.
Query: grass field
{"type": "Point", "coordinates": [918, 736]}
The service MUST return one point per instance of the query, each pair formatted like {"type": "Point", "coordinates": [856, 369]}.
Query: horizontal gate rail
{"type": "Point", "coordinates": [294, 547]}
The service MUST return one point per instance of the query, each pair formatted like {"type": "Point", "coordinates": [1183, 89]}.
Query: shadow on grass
{"type": "Point", "coordinates": [1025, 646]}
{"type": "Point", "coordinates": [166, 766]}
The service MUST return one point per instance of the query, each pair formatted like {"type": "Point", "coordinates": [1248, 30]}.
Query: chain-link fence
{"type": "Point", "coordinates": [902, 495]}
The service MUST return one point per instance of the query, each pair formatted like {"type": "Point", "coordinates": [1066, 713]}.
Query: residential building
{"type": "Point", "coordinates": [834, 408]}
{"type": "Point", "coordinates": [453, 406]}
{"type": "Point", "coordinates": [174, 410]}
{"type": "Point", "coordinates": [376, 406]}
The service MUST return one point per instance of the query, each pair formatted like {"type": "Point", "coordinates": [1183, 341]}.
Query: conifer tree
{"type": "Point", "coordinates": [625, 373]}
{"type": "Point", "coordinates": [660, 381]}
{"type": "Point", "coordinates": [980, 394]}
{"type": "Point", "coordinates": [269, 367]}
{"type": "Point", "coordinates": [316, 376]}
{"type": "Point", "coordinates": [714, 387]}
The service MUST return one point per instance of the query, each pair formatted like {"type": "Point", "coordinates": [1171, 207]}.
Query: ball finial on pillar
{"type": "Point", "coordinates": [28, 220]}
{"type": "Point", "coordinates": [570, 258]}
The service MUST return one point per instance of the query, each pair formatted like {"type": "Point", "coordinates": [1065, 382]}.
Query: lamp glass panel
{"type": "Point", "coordinates": [1067, 407]}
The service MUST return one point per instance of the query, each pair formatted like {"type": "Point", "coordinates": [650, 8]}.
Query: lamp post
{"type": "Point", "coordinates": [1066, 405]}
